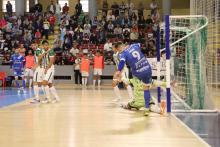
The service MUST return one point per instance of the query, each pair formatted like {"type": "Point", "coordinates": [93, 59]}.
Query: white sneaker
{"type": "Point", "coordinates": [35, 101]}
{"type": "Point", "coordinates": [116, 100]}
{"type": "Point", "coordinates": [19, 91]}
{"type": "Point", "coordinates": [45, 101]}
{"type": "Point", "coordinates": [55, 101]}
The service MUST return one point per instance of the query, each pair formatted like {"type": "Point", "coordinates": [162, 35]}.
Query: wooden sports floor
{"type": "Point", "coordinates": [88, 118]}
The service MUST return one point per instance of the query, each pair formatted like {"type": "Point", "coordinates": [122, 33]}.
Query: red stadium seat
{"type": "Point", "coordinates": [2, 78]}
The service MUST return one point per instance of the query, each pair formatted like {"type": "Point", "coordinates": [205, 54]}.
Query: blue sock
{"type": "Point", "coordinates": [23, 84]}
{"type": "Point", "coordinates": [17, 84]}
{"type": "Point", "coordinates": [147, 98]}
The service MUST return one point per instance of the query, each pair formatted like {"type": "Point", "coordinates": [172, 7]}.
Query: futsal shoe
{"type": "Point", "coordinates": [146, 111]}
{"type": "Point", "coordinates": [55, 101]}
{"type": "Point", "coordinates": [45, 101]}
{"type": "Point", "coordinates": [35, 101]}
{"type": "Point", "coordinates": [128, 107]}
{"type": "Point", "coordinates": [116, 100]}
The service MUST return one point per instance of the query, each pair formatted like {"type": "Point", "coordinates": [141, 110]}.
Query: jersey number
{"type": "Point", "coordinates": [136, 54]}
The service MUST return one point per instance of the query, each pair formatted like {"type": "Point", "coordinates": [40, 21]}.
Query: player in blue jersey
{"type": "Point", "coordinates": [17, 63]}
{"type": "Point", "coordinates": [140, 68]}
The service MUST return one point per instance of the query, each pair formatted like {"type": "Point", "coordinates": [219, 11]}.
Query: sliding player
{"type": "Point", "coordinates": [124, 79]}
{"type": "Point", "coordinates": [48, 65]}
{"type": "Point", "coordinates": [140, 68]}
{"type": "Point", "coordinates": [138, 101]}
{"type": "Point", "coordinates": [17, 62]}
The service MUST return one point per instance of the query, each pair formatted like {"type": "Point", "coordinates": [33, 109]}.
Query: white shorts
{"type": "Point", "coordinates": [29, 72]}
{"type": "Point", "coordinates": [38, 75]}
{"type": "Point", "coordinates": [49, 76]}
{"type": "Point", "coordinates": [125, 76]}
{"type": "Point", "coordinates": [85, 74]}
{"type": "Point", "coordinates": [97, 71]}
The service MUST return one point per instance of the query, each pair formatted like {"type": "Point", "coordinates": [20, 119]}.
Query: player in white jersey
{"type": "Point", "coordinates": [124, 79]}
{"type": "Point", "coordinates": [48, 66]}
{"type": "Point", "coordinates": [38, 72]}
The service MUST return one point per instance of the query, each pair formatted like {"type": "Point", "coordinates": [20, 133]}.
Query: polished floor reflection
{"type": "Point", "coordinates": [87, 118]}
{"type": "Point", "coordinates": [206, 125]}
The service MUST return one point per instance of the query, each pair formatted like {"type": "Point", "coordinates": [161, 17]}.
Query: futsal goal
{"type": "Point", "coordinates": [183, 44]}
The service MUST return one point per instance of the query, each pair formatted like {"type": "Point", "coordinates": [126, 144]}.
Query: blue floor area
{"type": "Point", "coordinates": [206, 125]}
{"type": "Point", "coordinates": [10, 96]}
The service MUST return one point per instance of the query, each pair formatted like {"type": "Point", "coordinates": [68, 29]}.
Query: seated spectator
{"type": "Point", "coordinates": [68, 39]}
{"type": "Point", "coordinates": [46, 28]}
{"type": "Point", "coordinates": [141, 37]}
{"type": "Point", "coordinates": [122, 8]}
{"type": "Point", "coordinates": [151, 46]}
{"type": "Point", "coordinates": [71, 31]}
{"type": "Point", "coordinates": [118, 21]}
{"type": "Point", "coordinates": [107, 47]}
{"type": "Point", "coordinates": [109, 59]}
{"type": "Point", "coordinates": [7, 57]}
{"type": "Point", "coordinates": [101, 36]}
{"type": "Point", "coordinates": [126, 36]}
{"type": "Point", "coordinates": [140, 9]}
{"type": "Point", "coordinates": [141, 22]}
{"type": "Point", "coordinates": [78, 34]}
{"type": "Point", "coordinates": [87, 25]}
{"type": "Point", "coordinates": [133, 16]}
{"type": "Point", "coordinates": [74, 50]}
{"type": "Point", "coordinates": [126, 21]}
{"type": "Point", "coordinates": [110, 27]}
{"type": "Point", "coordinates": [51, 7]}
{"type": "Point", "coordinates": [134, 33]}
{"type": "Point", "coordinates": [52, 20]}
{"type": "Point", "coordinates": [95, 22]}
{"type": "Point", "coordinates": [149, 20]}
{"type": "Point", "coordinates": [118, 31]}
{"type": "Point", "coordinates": [134, 22]}
{"type": "Point", "coordinates": [110, 17]}
{"type": "Point", "coordinates": [3, 23]}
{"type": "Point", "coordinates": [86, 38]}
{"type": "Point", "coordinates": [86, 31]}
{"type": "Point", "coordinates": [93, 38]}
{"type": "Point", "coordinates": [126, 28]}
{"type": "Point", "coordinates": [155, 16]}
{"type": "Point", "coordinates": [58, 50]}
{"type": "Point", "coordinates": [38, 7]}
{"type": "Point", "coordinates": [153, 6]}
{"type": "Point", "coordinates": [115, 9]}
{"type": "Point", "coordinates": [105, 7]}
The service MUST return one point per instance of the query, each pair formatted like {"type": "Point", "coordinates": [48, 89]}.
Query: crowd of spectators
{"type": "Point", "coordinates": [78, 34]}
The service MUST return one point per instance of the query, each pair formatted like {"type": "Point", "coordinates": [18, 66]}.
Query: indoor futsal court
{"type": "Point", "coordinates": [109, 73]}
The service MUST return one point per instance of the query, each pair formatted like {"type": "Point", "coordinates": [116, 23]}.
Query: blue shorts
{"type": "Point", "coordinates": [18, 73]}
{"type": "Point", "coordinates": [146, 78]}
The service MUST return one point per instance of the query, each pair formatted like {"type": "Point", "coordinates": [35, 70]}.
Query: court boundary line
{"type": "Point", "coordinates": [191, 131]}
